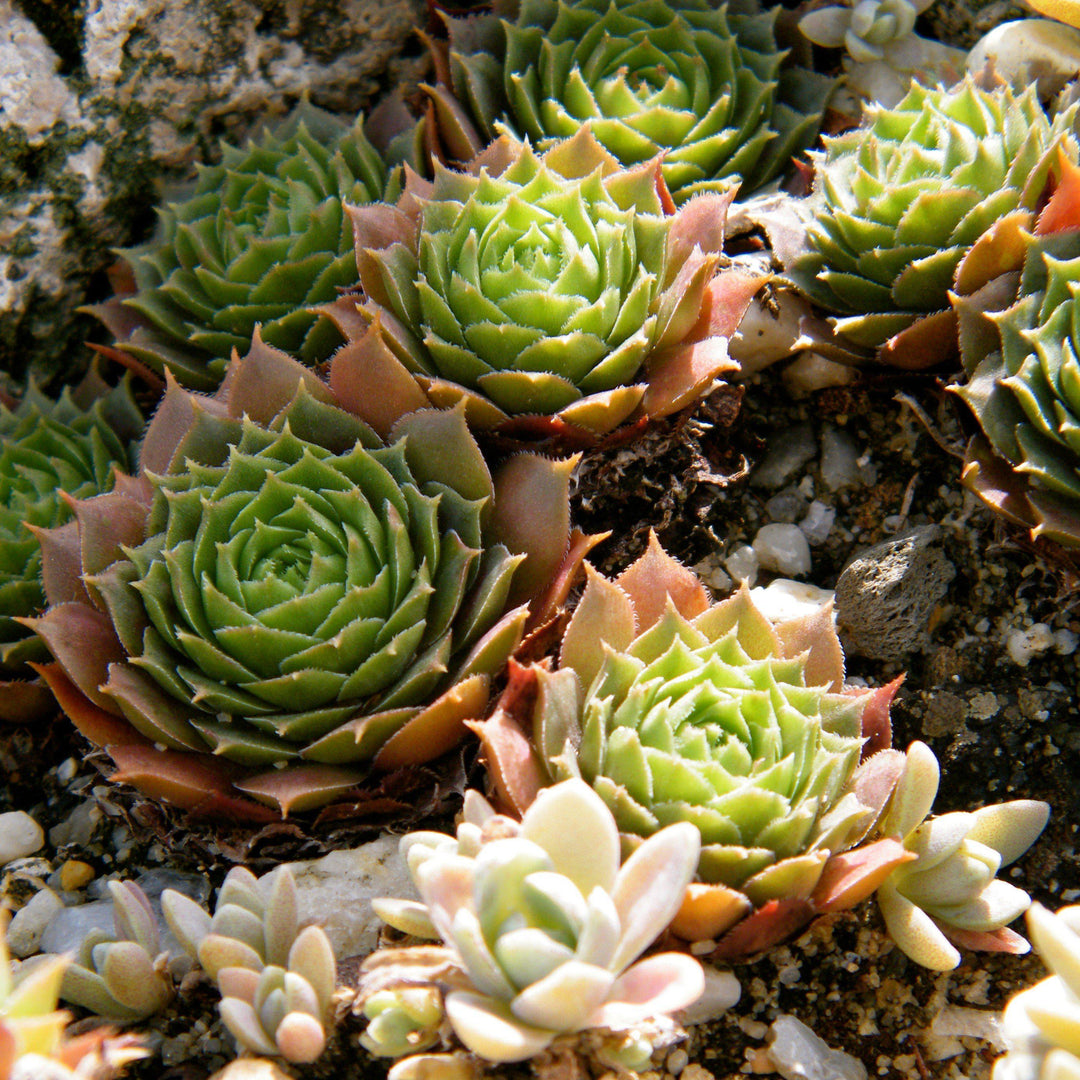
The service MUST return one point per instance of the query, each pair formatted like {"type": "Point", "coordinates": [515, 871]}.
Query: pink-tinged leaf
{"type": "Point", "coordinates": [61, 563]}
{"type": "Point", "coordinates": [489, 1030]}
{"type": "Point", "coordinates": [876, 777]}
{"type": "Point", "coordinates": [445, 884]}
{"type": "Point", "coordinates": [169, 425]}
{"type": "Point", "coordinates": [512, 763]}
{"type": "Point", "coordinates": [436, 729]}
{"type": "Point", "coordinates": [725, 303]}
{"type": "Point", "coordinates": [851, 877]}
{"type": "Point", "coordinates": [681, 374]}
{"type": "Point", "coordinates": [84, 643]}
{"type": "Point", "coordinates": [654, 577]}
{"type": "Point", "coordinates": [134, 487]}
{"type": "Point", "coordinates": [1001, 940]}
{"type": "Point", "coordinates": [999, 250]}
{"type": "Point", "coordinates": [996, 482]}
{"type": "Point", "coordinates": [263, 382]}
{"type": "Point", "coordinates": [768, 926]}
{"type": "Point", "coordinates": [238, 982]}
{"type": "Point", "coordinates": [23, 701]}
{"type": "Point", "coordinates": [700, 223]}
{"type": "Point", "coordinates": [100, 727]}
{"type": "Point", "coordinates": [198, 783]}
{"type": "Point", "coordinates": [300, 1038]}
{"type": "Point", "coordinates": [458, 136]}
{"type": "Point", "coordinates": [651, 885]}
{"type": "Point", "coordinates": [300, 787]}
{"type": "Point", "coordinates": [656, 986]}
{"type": "Point", "coordinates": [564, 999]}
{"type": "Point", "coordinates": [926, 343]}
{"type": "Point", "coordinates": [532, 517]}
{"type": "Point", "coordinates": [876, 721]}
{"type": "Point", "coordinates": [105, 523]}
{"type": "Point", "coordinates": [9, 1048]}
{"type": "Point", "coordinates": [370, 381]}
{"type": "Point", "coordinates": [1062, 211]}
{"type": "Point", "coordinates": [118, 318]}
{"type": "Point", "coordinates": [244, 1024]}
{"type": "Point", "coordinates": [379, 225]}
{"type": "Point", "coordinates": [708, 910]}
{"type": "Point", "coordinates": [816, 635]}
{"type": "Point", "coordinates": [346, 314]}
{"type": "Point", "coordinates": [604, 613]}
{"type": "Point", "coordinates": [547, 605]}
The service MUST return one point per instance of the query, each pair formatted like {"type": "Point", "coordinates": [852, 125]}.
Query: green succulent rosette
{"type": "Point", "coordinates": [258, 240]}
{"type": "Point", "coordinates": [898, 202]}
{"type": "Point", "coordinates": [283, 586]}
{"type": "Point", "coordinates": [696, 82]}
{"type": "Point", "coordinates": [554, 284]}
{"type": "Point", "coordinates": [676, 709]}
{"type": "Point", "coordinates": [50, 449]}
{"type": "Point", "coordinates": [1022, 363]}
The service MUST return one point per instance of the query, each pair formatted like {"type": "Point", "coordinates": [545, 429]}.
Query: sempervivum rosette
{"type": "Point", "coordinates": [684, 78]}
{"type": "Point", "coordinates": [705, 713]}
{"type": "Point", "coordinates": [898, 202]}
{"type": "Point", "coordinates": [256, 240]}
{"type": "Point", "coordinates": [1020, 345]}
{"type": "Point", "coordinates": [281, 587]}
{"type": "Point", "coordinates": [557, 284]}
{"type": "Point", "coordinates": [49, 449]}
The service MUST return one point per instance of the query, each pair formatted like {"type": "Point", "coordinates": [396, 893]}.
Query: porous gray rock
{"type": "Point", "coordinates": [887, 593]}
{"type": "Point", "coordinates": [101, 101]}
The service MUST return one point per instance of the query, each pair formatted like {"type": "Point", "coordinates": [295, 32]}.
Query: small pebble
{"type": "Point", "coordinates": [786, 506]}
{"type": "Point", "coordinates": [78, 827]}
{"type": "Point", "coordinates": [1022, 645]}
{"type": "Point", "coordinates": [74, 874]}
{"type": "Point", "coordinates": [29, 922]}
{"type": "Point", "coordinates": [784, 599]}
{"type": "Point", "coordinates": [839, 460]}
{"type": "Point", "coordinates": [818, 522]}
{"type": "Point", "coordinates": [788, 454]}
{"type": "Point", "coordinates": [20, 835]}
{"type": "Point", "coordinates": [810, 371]}
{"type": "Point", "coordinates": [742, 564]}
{"type": "Point", "coordinates": [799, 1054]}
{"type": "Point", "coordinates": [783, 549]}
{"type": "Point", "coordinates": [722, 992]}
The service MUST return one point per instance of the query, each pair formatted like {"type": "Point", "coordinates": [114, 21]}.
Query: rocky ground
{"type": "Point", "coordinates": [991, 681]}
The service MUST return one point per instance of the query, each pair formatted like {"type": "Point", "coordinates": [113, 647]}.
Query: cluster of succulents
{"type": "Point", "coordinates": [545, 924]}
{"type": "Point", "coordinates": [696, 82]}
{"type": "Point", "coordinates": [709, 714]}
{"type": "Point", "coordinates": [258, 240]}
{"type": "Point", "coordinates": [900, 201]}
{"type": "Point", "coordinates": [276, 980]}
{"type": "Point", "coordinates": [555, 284]}
{"type": "Point", "coordinates": [864, 30]}
{"type": "Point", "coordinates": [280, 586]}
{"type": "Point", "coordinates": [1021, 354]}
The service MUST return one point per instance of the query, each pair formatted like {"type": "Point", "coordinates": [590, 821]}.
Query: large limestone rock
{"type": "Point", "coordinates": [102, 100]}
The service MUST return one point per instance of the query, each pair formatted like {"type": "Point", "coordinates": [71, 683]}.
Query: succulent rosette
{"type": "Point", "coordinates": [546, 924]}
{"type": "Point", "coordinates": [705, 713]}
{"type": "Point", "coordinates": [282, 587]}
{"type": "Point", "coordinates": [257, 240]}
{"type": "Point", "coordinates": [48, 450]}
{"type": "Point", "coordinates": [555, 284]}
{"type": "Point", "coordinates": [1020, 345]}
{"type": "Point", "coordinates": [898, 202]}
{"type": "Point", "coordinates": [949, 893]}
{"type": "Point", "coordinates": [696, 82]}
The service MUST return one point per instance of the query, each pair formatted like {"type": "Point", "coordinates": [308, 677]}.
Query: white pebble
{"type": "Point", "coordinates": [1025, 51]}
{"type": "Point", "coordinates": [27, 926]}
{"type": "Point", "coordinates": [839, 460]}
{"type": "Point", "coordinates": [742, 564]}
{"type": "Point", "coordinates": [1022, 645]}
{"type": "Point", "coordinates": [722, 991]}
{"type": "Point", "coordinates": [818, 522]}
{"type": "Point", "coordinates": [1065, 642]}
{"type": "Point", "coordinates": [784, 599]}
{"type": "Point", "coordinates": [799, 1054]}
{"type": "Point", "coordinates": [782, 549]}
{"type": "Point", "coordinates": [20, 835]}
